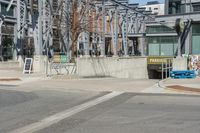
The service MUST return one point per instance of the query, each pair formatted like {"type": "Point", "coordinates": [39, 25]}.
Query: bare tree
{"type": "Point", "coordinates": [73, 20]}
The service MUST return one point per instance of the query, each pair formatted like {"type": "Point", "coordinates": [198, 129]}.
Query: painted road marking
{"type": "Point", "coordinates": [46, 122]}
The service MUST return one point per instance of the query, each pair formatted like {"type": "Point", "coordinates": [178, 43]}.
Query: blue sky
{"type": "Point", "coordinates": [143, 2]}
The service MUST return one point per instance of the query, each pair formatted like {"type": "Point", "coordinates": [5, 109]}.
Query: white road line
{"type": "Point", "coordinates": [65, 114]}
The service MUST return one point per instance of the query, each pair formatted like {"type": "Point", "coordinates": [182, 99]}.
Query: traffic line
{"type": "Point", "coordinates": [46, 122]}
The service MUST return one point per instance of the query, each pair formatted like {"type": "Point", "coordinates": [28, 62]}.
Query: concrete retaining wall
{"type": "Point", "coordinates": [134, 68]}
{"type": "Point", "coordinates": [39, 63]}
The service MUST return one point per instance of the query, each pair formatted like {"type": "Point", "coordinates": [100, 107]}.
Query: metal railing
{"type": "Point", "coordinates": [166, 67]}
{"type": "Point", "coordinates": [62, 62]}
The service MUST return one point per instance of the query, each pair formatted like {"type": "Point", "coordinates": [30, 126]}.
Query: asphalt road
{"type": "Point", "coordinates": [20, 108]}
{"type": "Point", "coordinates": [133, 113]}
{"type": "Point", "coordinates": [124, 113]}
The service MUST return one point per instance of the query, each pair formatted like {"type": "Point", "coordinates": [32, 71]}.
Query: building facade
{"type": "Point", "coordinates": [155, 7]}
{"type": "Point", "coordinates": [181, 6]}
{"type": "Point", "coordinates": [8, 29]}
{"type": "Point", "coordinates": [162, 36]}
{"type": "Point", "coordinates": [115, 32]}
{"type": "Point", "coordinates": [23, 30]}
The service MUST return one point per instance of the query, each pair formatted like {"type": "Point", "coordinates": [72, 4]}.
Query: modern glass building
{"type": "Point", "coordinates": [162, 44]}
{"type": "Point", "coordinates": [181, 6]}
{"type": "Point", "coordinates": [163, 40]}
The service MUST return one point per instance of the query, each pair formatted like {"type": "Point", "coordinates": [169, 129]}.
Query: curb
{"type": "Point", "coordinates": [160, 83]}
{"type": "Point", "coordinates": [183, 89]}
{"type": "Point", "coordinates": [178, 88]}
{"type": "Point", "coordinates": [10, 79]}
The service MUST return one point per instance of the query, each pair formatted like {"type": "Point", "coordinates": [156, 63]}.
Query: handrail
{"type": "Point", "coordinates": [166, 67]}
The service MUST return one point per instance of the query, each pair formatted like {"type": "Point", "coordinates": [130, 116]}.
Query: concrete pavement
{"type": "Point", "coordinates": [182, 85]}
{"type": "Point", "coordinates": [61, 82]}
{"type": "Point", "coordinates": [135, 113]}
{"type": "Point", "coordinates": [21, 108]}
{"type": "Point", "coordinates": [60, 111]}
{"type": "Point", "coordinates": [95, 84]}
{"type": "Point", "coordinates": [16, 77]}
{"type": "Point", "coordinates": [177, 86]}
{"type": "Point", "coordinates": [71, 82]}
{"type": "Point", "coordinates": [36, 101]}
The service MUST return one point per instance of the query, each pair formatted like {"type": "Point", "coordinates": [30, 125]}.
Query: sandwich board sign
{"type": "Point", "coordinates": [28, 65]}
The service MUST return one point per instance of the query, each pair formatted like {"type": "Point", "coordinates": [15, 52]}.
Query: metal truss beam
{"type": "Point", "coordinates": [21, 24]}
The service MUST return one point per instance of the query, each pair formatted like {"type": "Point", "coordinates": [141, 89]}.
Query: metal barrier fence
{"type": "Point", "coordinates": [62, 62]}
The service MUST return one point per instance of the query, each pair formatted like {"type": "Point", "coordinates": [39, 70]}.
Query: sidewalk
{"type": "Point", "coordinates": [36, 80]}
{"type": "Point", "coordinates": [93, 84]}
{"type": "Point", "coordinates": [16, 76]}
{"type": "Point", "coordinates": [182, 85]}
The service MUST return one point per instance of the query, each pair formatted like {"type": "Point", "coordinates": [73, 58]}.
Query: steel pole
{"type": "Point", "coordinates": [40, 29]}
{"type": "Point", "coordinates": [162, 71]}
{"type": "Point", "coordinates": [104, 30]}
{"type": "Point", "coordinates": [179, 47]}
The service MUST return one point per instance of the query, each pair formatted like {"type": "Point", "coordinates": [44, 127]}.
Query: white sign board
{"type": "Point", "coordinates": [28, 65]}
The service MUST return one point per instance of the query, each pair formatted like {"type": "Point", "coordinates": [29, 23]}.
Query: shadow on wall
{"type": "Point", "coordinates": [135, 68]}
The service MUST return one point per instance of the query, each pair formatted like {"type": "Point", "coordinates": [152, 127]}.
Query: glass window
{"type": "Point", "coordinates": [154, 49]}
{"type": "Point", "coordinates": [166, 44]}
{"type": "Point", "coordinates": [159, 29]}
{"type": "Point", "coordinates": [196, 39]}
{"type": "Point", "coordinates": [175, 6]}
{"type": "Point", "coordinates": [175, 47]}
{"type": "Point", "coordinates": [167, 49]}
{"type": "Point", "coordinates": [7, 47]}
{"type": "Point", "coordinates": [162, 46]}
{"type": "Point", "coordinates": [153, 39]}
{"type": "Point", "coordinates": [196, 29]}
{"type": "Point", "coordinates": [196, 7]}
{"type": "Point", "coordinates": [4, 12]}
{"type": "Point", "coordinates": [152, 29]}
{"type": "Point", "coordinates": [166, 40]}
{"type": "Point", "coordinates": [196, 45]}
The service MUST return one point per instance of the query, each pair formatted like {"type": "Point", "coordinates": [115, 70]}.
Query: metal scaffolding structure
{"type": "Point", "coordinates": [78, 27]}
